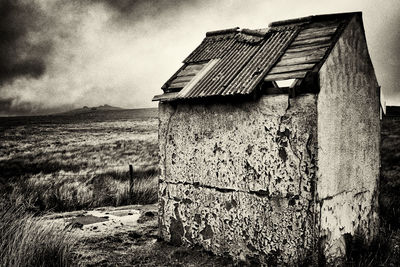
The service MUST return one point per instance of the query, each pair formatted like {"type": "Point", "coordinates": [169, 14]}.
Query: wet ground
{"type": "Point", "coordinates": [109, 236]}
{"type": "Point", "coordinates": [127, 236]}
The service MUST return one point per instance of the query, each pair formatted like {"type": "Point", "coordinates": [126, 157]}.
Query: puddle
{"type": "Point", "coordinates": [122, 213]}
{"type": "Point", "coordinates": [106, 220]}
{"type": "Point", "coordinates": [87, 219]}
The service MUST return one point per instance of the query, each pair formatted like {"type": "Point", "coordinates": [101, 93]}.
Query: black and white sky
{"type": "Point", "coordinates": [57, 55]}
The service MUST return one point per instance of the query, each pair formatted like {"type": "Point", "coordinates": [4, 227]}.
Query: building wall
{"type": "Point", "coordinates": [238, 178]}
{"type": "Point", "coordinates": [349, 141]}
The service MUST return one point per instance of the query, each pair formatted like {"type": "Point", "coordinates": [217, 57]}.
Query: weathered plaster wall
{"type": "Point", "coordinates": [348, 140]}
{"type": "Point", "coordinates": [239, 178]}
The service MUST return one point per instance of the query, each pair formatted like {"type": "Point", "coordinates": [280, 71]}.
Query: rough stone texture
{"type": "Point", "coordinates": [239, 178]}
{"type": "Point", "coordinates": [348, 140]}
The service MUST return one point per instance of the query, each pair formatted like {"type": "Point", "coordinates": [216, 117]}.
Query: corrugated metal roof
{"type": "Point", "coordinates": [243, 65]}
{"type": "Point", "coordinates": [261, 63]}
{"type": "Point", "coordinates": [286, 50]}
{"type": "Point", "coordinates": [225, 71]}
{"type": "Point", "coordinates": [212, 47]}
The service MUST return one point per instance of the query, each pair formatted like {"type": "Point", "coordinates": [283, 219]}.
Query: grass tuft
{"type": "Point", "coordinates": [384, 250]}
{"type": "Point", "coordinates": [26, 240]}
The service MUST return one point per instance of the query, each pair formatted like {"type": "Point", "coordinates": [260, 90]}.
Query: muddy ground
{"type": "Point", "coordinates": [127, 236]}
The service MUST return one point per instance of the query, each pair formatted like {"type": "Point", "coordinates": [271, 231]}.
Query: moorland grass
{"type": "Point", "coordinates": [75, 192]}
{"type": "Point", "coordinates": [389, 197]}
{"type": "Point", "coordinates": [64, 167]}
{"type": "Point", "coordinates": [26, 240]}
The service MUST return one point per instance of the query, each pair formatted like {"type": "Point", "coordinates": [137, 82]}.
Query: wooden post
{"type": "Point", "coordinates": [130, 180]}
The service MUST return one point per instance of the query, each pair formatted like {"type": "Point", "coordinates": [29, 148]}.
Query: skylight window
{"type": "Point", "coordinates": [285, 83]}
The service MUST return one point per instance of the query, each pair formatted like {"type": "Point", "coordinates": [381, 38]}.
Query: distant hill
{"type": "Point", "coordinates": [95, 114]}
{"type": "Point", "coordinates": [107, 112]}
{"type": "Point", "coordinates": [86, 109]}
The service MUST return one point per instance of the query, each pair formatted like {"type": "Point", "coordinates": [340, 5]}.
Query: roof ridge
{"type": "Point", "coordinates": [312, 18]}
{"type": "Point", "coordinates": [288, 22]}
{"type": "Point", "coordinates": [260, 32]}
{"type": "Point", "coordinates": [254, 32]}
{"type": "Point", "coordinates": [223, 31]}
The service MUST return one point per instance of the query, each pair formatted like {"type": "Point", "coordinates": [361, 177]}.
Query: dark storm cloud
{"type": "Point", "coordinates": [55, 53]}
{"type": "Point", "coordinates": [20, 54]}
{"type": "Point", "coordinates": [131, 11]}
{"type": "Point", "coordinates": [143, 8]}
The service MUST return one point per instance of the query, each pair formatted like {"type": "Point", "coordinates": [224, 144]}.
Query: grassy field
{"type": "Point", "coordinates": [385, 250]}
{"type": "Point", "coordinates": [78, 161]}
{"type": "Point", "coordinates": [390, 174]}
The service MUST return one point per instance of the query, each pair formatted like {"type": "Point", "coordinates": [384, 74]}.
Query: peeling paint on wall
{"type": "Point", "coordinates": [348, 139]}
{"type": "Point", "coordinates": [239, 178]}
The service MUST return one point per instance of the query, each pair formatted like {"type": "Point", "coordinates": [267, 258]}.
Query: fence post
{"type": "Point", "coordinates": [130, 181]}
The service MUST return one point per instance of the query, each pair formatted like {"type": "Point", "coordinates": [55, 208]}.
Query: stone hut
{"type": "Point", "coordinates": [269, 142]}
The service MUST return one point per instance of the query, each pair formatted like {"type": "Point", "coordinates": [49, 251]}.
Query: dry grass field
{"type": "Point", "coordinates": [77, 161]}
{"type": "Point", "coordinates": [390, 174]}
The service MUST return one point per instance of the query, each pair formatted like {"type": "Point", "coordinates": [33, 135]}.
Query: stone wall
{"type": "Point", "coordinates": [349, 140]}
{"type": "Point", "coordinates": [239, 178]}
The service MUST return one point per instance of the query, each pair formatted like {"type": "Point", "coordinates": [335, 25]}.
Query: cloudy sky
{"type": "Point", "coordinates": [56, 54]}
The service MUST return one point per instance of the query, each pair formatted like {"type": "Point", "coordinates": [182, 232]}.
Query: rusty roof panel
{"type": "Point", "coordinates": [244, 66]}
{"type": "Point", "coordinates": [212, 47]}
{"type": "Point", "coordinates": [224, 71]}
{"type": "Point", "coordinates": [261, 63]}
